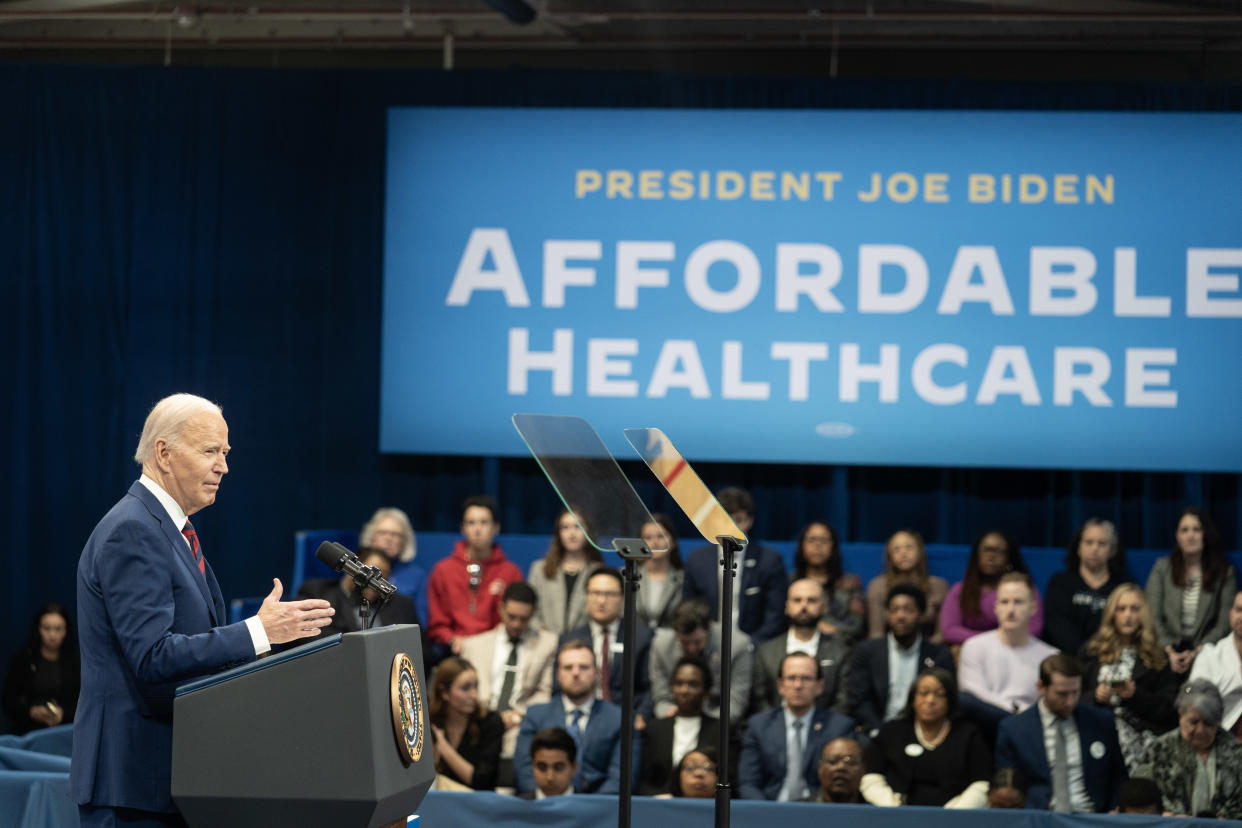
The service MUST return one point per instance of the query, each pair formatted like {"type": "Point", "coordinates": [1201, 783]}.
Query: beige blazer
{"type": "Point", "coordinates": [550, 611]}
{"type": "Point", "coordinates": [537, 657]}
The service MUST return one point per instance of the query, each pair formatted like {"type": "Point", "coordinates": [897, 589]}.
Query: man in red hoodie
{"type": "Point", "coordinates": [465, 589]}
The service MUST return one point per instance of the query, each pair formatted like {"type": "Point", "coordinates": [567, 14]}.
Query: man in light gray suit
{"type": "Point", "coordinates": [513, 649]}
{"type": "Point", "coordinates": [693, 633]}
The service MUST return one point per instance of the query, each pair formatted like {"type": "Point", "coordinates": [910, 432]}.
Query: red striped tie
{"type": "Point", "coordinates": [192, 537]}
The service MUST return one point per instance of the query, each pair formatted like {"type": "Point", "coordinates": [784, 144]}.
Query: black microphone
{"type": "Point", "coordinates": [366, 577]}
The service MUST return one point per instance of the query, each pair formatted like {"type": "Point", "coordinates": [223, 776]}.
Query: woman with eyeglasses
{"type": "Point", "coordinates": [390, 529]}
{"type": "Point", "coordinates": [696, 774]}
{"type": "Point", "coordinates": [466, 737]}
{"type": "Point", "coordinates": [929, 756]}
{"type": "Point", "coordinates": [970, 606]}
{"type": "Point", "coordinates": [818, 556]}
{"type": "Point", "coordinates": [558, 577]}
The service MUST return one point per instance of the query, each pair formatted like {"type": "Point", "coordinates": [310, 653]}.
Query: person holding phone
{"type": "Point", "coordinates": [1125, 669]}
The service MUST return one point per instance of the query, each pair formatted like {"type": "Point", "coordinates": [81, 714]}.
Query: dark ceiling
{"type": "Point", "coordinates": [1047, 40]}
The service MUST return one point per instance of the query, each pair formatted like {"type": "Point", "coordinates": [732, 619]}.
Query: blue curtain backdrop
{"type": "Point", "coordinates": [219, 231]}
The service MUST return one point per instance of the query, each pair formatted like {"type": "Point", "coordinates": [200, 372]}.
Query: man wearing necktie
{"type": "Point", "coordinates": [1069, 753]}
{"type": "Point", "coordinates": [514, 663]}
{"type": "Point", "coordinates": [152, 616]}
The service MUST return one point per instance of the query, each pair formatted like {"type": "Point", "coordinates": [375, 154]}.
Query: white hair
{"type": "Point", "coordinates": [166, 421]}
{"type": "Point", "coordinates": [368, 531]}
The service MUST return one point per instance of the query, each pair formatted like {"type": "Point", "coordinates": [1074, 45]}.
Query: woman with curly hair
{"type": "Point", "coordinates": [818, 557]}
{"type": "Point", "coordinates": [1125, 669]}
{"type": "Point", "coordinates": [466, 737]}
{"type": "Point", "coordinates": [905, 561]}
{"type": "Point", "coordinates": [970, 605]}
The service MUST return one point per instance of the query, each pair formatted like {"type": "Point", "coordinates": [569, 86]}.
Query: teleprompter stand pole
{"type": "Point", "coordinates": [729, 547]}
{"type": "Point", "coordinates": [632, 551]}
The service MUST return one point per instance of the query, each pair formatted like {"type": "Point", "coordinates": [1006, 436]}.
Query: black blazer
{"type": "Point", "coordinates": [399, 609]}
{"type": "Point", "coordinates": [642, 677]}
{"type": "Point", "coordinates": [1155, 691]}
{"type": "Point", "coordinates": [867, 682]}
{"type": "Point", "coordinates": [658, 768]}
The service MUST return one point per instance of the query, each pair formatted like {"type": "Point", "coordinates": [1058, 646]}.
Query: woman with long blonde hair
{"type": "Point", "coordinates": [905, 561]}
{"type": "Point", "coordinates": [1125, 668]}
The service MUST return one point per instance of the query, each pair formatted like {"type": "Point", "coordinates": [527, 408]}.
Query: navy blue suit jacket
{"type": "Point", "coordinates": [1020, 744]}
{"type": "Point", "coordinates": [148, 620]}
{"type": "Point", "coordinates": [599, 761]}
{"type": "Point", "coordinates": [867, 682]}
{"type": "Point", "coordinates": [761, 610]}
{"type": "Point", "coordinates": [616, 673]}
{"type": "Point", "coordinates": [761, 770]}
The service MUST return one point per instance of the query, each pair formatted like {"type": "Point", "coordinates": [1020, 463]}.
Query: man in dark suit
{"type": "Point", "coordinates": [666, 740]}
{"type": "Point", "coordinates": [342, 594]}
{"type": "Point", "coordinates": [1085, 770]}
{"type": "Point", "coordinates": [795, 732]}
{"type": "Point", "coordinates": [761, 578]}
{"type": "Point", "coordinates": [152, 616]}
{"type": "Point", "coordinates": [594, 724]}
{"type": "Point", "coordinates": [804, 607]}
{"type": "Point", "coordinates": [874, 696]}
{"type": "Point", "coordinates": [606, 634]}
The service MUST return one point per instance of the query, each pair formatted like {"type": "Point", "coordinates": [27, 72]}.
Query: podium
{"type": "Point", "coordinates": [333, 733]}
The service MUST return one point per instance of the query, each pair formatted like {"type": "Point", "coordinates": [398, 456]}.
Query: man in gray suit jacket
{"type": "Point", "coordinates": [804, 606]}
{"type": "Point", "coordinates": [694, 633]}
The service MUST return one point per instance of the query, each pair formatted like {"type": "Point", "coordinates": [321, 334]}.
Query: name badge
{"type": "Point", "coordinates": [1097, 750]}
{"type": "Point", "coordinates": [617, 647]}
{"type": "Point", "coordinates": [751, 562]}
{"type": "Point", "coordinates": [753, 590]}
{"type": "Point", "coordinates": [913, 750]}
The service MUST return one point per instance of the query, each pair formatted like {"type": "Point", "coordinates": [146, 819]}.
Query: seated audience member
{"type": "Point", "coordinates": [694, 633]}
{"type": "Point", "coordinates": [553, 762]}
{"type": "Point", "coordinates": [929, 756]}
{"type": "Point", "coordinates": [594, 724]}
{"type": "Point", "coordinates": [41, 687]}
{"type": "Point", "coordinates": [342, 593]}
{"type": "Point", "coordinates": [1095, 565]}
{"type": "Point", "coordinates": [1221, 664]}
{"type": "Point", "coordinates": [464, 592]}
{"type": "Point", "coordinates": [841, 769]}
{"type": "Point", "coordinates": [390, 529]}
{"type": "Point", "coordinates": [883, 669]}
{"type": "Point", "coordinates": [663, 577]}
{"type": "Point", "coordinates": [1125, 670]}
{"type": "Point", "coordinates": [515, 664]}
{"type": "Point", "coordinates": [1189, 591]}
{"type": "Point", "coordinates": [780, 752]}
{"type": "Point", "coordinates": [1197, 766]}
{"type": "Point", "coordinates": [758, 589]}
{"type": "Point", "coordinates": [696, 774]}
{"type": "Point", "coordinates": [605, 632]}
{"type": "Point", "coordinates": [1067, 751]}
{"type": "Point", "coordinates": [559, 579]}
{"type": "Point", "coordinates": [998, 669]}
{"type": "Point", "coordinates": [969, 606]}
{"type": "Point", "coordinates": [466, 737]}
{"type": "Point", "coordinates": [804, 607]}
{"type": "Point", "coordinates": [1139, 795]}
{"type": "Point", "coordinates": [1007, 789]}
{"type": "Point", "coordinates": [667, 740]}
{"type": "Point", "coordinates": [905, 561]}
{"type": "Point", "coordinates": [818, 556]}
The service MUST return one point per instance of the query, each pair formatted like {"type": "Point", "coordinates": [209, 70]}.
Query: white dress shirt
{"type": "Point", "coordinates": [1080, 803]}
{"type": "Point", "coordinates": [810, 646]}
{"type": "Point", "coordinates": [500, 664]}
{"type": "Point", "coordinates": [258, 636]}
{"type": "Point", "coordinates": [685, 735]}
